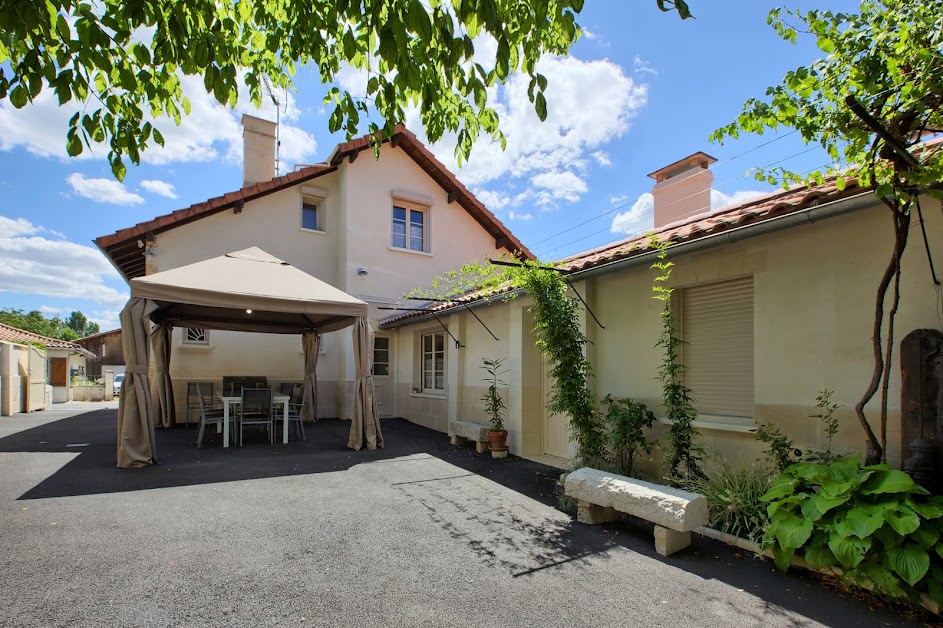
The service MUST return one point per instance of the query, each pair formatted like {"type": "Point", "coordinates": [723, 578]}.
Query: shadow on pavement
{"type": "Point", "coordinates": [548, 545]}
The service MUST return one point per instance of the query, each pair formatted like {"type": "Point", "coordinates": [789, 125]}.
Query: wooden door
{"type": "Point", "coordinates": [556, 433]}
{"type": "Point", "coordinates": [59, 371]}
{"type": "Point", "coordinates": [36, 395]}
{"type": "Point", "coordinates": [381, 375]}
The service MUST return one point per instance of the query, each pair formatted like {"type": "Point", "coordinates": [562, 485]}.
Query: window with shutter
{"type": "Point", "coordinates": [717, 327]}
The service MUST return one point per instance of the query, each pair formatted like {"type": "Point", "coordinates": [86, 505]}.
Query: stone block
{"type": "Point", "coordinates": [481, 447]}
{"type": "Point", "coordinates": [472, 431]}
{"type": "Point", "coordinates": [668, 542]}
{"type": "Point", "coordinates": [594, 515]}
{"type": "Point", "coordinates": [662, 505]}
{"type": "Point", "coordinates": [458, 440]}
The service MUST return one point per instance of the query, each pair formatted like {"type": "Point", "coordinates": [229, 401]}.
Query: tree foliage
{"type": "Point", "coordinates": [869, 102]}
{"type": "Point", "coordinates": [76, 326]}
{"type": "Point", "coordinates": [122, 62]}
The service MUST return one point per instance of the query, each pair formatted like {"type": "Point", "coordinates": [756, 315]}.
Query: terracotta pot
{"type": "Point", "coordinates": [498, 448]}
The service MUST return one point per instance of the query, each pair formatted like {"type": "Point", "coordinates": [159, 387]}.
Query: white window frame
{"type": "Point", "coordinates": [389, 352]}
{"type": "Point", "coordinates": [318, 204]}
{"type": "Point", "coordinates": [409, 207]}
{"type": "Point", "coordinates": [422, 363]}
{"type": "Point", "coordinates": [187, 340]}
{"type": "Point", "coordinates": [738, 325]}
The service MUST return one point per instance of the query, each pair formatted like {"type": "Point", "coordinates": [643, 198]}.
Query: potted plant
{"type": "Point", "coordinates": [495, 408]}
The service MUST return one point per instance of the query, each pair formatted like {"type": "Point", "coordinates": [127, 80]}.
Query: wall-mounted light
{"type": "Point", "coordinates": [248, 311]}
{"type": "Point", "coordinates": [362, 271]}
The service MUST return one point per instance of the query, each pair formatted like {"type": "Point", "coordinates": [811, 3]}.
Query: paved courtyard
{"type": "Point", "coordinates": [313, 534]}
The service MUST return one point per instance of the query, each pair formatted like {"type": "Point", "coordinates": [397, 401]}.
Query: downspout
{"type": "Point", "coordinates": [832, 209]}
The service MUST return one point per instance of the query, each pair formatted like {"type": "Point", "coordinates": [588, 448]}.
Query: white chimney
{"type": "Point", "coordinates": [258, 150]}
{"type": "Point", "coordinates": [682, 189]}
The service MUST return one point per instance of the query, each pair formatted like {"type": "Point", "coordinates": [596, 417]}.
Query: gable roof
{"type": "Point", "coordinates": [125, 253]}
{"type": "Point", "coordinates": [21, 336]}
{"type": "Point", "coordinates": [758, 209]}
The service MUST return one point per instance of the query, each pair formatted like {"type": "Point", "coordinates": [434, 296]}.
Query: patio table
{"type": "Point", "coordinates": [281, 400]}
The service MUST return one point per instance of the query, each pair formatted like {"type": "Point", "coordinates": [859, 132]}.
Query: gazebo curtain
{"type": "Point", "coordinates": [163, 391]}
{"type": "Point", "coordinates": [311, 341]}
{"type": "Point", "coordinates": [136, 445]}
{"type": "Point", "coordinates": [365, 424]}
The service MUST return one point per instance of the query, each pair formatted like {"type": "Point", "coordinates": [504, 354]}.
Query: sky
{"type": "Point", "coordinates": [640, 90]}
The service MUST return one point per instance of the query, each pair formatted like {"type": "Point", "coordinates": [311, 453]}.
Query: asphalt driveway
{"type": "Point", "coordinates": [312, 534]}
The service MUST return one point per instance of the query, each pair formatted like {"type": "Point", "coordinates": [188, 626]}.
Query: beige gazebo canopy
{"type": "Point", "coordinates": [246, 290]}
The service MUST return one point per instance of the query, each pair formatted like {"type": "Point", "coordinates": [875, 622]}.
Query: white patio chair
{"type": "Point", "coordinates": [256, 409]}
{"type": "Point", "coordinates": [208, 416]}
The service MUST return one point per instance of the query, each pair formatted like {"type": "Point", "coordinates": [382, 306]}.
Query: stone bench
{"type": "Point", "coordinates": [674, 512]}
{"type": "Point", "coordinates": [464, 431]}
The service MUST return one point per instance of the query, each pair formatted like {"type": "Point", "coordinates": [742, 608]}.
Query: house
{"type": "Point", "coordinates": [28, 362]}
{"type": "Point", "coordinates": [774, 299]}
{"type": "Point", "coordinates": [106, 347]}
{"type": "Point", "coordinates": [372, 227]}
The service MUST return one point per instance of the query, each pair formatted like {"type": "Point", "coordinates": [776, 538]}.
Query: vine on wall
{"type": "Point", "coordinates": [685, 451]}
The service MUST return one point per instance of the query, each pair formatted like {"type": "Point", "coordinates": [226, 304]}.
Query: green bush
{"type": "Point", "coordinates": [874, 523]}
{"type": "Point", "coordinates": [627, 420]}
{"type": "Point", "coordinates": [735, 499]}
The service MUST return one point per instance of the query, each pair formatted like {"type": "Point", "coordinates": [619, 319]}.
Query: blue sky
{"type": "Point", "coordinates": [640, 90]}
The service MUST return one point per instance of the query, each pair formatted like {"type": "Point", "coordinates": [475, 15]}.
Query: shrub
{"type": "Point", "coordinates": [627, 420]}
{"type": "Point", "coordinates": [875, 523]}
{"type": "Point", "coordinates": [494, 404]}
{"type": "Point", "coordinates": [780, 451]}
{"type": "Point", "coordinates": [734, 499]}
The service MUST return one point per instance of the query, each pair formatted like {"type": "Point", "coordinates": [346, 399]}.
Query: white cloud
{"type": "Point", "coordinates": [211, 131]}
{"type": "Point", "coordinates": [520, 217]}
{"type": "Point", "coordinates": [602, 158]}
{"type": "Point", "coordinates": [493, 200]}
{"type": "Point", "coordinates": [638, 219]}
{"type": "Point", "coordinates": [572, 135]}
{"type": "Point", "coordinates": [550, 187]}
{"type": "Point", "coordinates": [719, 199]}
{"type": "Point", "coordinates": [618, 199]}
{"type": "Point", "coordinates": [642, 66]}
{"type": "Point", "coordinates": [102, 190]}
{"type": "Point", "coordinates": [161, 188]}
{"type": "Point", "coordinates": [32, 264]}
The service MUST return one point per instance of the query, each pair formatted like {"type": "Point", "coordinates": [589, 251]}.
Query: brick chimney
{"type": "Point", "coordinates": [258, 150]}
{"type": "Point", "coordinates": [682, 189]}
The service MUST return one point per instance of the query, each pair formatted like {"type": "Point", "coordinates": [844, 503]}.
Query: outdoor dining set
{"type": "Point", "coordinates": [247, 402]}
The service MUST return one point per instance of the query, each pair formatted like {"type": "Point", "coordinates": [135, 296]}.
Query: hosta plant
{"type": "Point", "coordinates": [873, 523]}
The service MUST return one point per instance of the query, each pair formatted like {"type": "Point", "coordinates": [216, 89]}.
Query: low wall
{"type": "Point", "coordinates": [88, 393]}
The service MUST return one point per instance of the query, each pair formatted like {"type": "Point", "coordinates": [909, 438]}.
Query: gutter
{"type": "Point", "coordinates": [831, 209]}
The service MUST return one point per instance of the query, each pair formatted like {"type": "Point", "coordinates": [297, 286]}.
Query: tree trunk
{"type": "Point", "coordinates": [875, 448]}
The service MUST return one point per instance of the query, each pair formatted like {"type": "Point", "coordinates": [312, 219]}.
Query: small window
{"type": "Point", "coordinates": [433, 363]}
{"type": "Point", "coordinates": [381, 357]}
{"type": "Point", "coordinates": [311, 215]}
{"type": "Point", "coordinates": [196, 336]}
{"type": "Point", "coordinates": [409, 229]}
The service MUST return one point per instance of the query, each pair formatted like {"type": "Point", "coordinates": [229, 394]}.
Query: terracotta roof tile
{"type": "Point", "coordinates": [14, 334]}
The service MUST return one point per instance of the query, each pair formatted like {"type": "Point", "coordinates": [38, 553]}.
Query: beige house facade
{"type": "Point", "coordinates": [372, 227]}
{"type": "Point", "coordinates": [773, 297]}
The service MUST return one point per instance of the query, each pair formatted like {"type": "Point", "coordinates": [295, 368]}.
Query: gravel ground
{"type": "Point", "coordinates": [311, 534]}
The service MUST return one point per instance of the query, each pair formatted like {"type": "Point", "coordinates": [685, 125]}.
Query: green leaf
{"type": "Point", "coordinates": [910, 561]}
{"type": "Point", "coordinates": [891, 481]}
{"type": "Point", "coordinates": [864, 520]}
{"type": "Point", "coordinates": [926, 535]}
{"type": "Point", "coordinates": [19, 97]}
{"type": "Point", "coordinates": [849, 550]}
{"type": "Point", "coordinates": [73, 144]}
{"type": "Point", "coordinates": [824, 503]}
{"type": "Point", "coordinates": [782, 557]}
{"type": "Point", "coordinates": [781, 487]}
{"type": "Point", "coordinates": [540, 104]}
{"type": "Point", "coordinates": [903, 520]}
{"type": "Point", "coordinates": [792, 531]}
{"type": "Point", "coordinates": [929, 510]}
{"type": "Point", "coordinates": [820, 557]}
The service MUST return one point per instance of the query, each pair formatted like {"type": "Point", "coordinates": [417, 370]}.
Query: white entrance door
{"type": "Point", "coordinates": [556, 438]}
{"type": "Point", "coordinates": [381, 375]}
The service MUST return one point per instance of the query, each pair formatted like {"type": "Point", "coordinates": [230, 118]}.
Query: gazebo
{"type": "Point", "coordinates": [247, 290]}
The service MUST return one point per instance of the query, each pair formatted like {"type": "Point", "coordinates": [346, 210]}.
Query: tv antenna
{"type": "Point", "coordinates": [279, 98]}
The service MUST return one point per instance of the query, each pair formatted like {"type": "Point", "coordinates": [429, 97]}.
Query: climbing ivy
{"type": "Point", "coordinates": [559, 337]}
{"type": "Point", "coordinates": [685, 451]}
